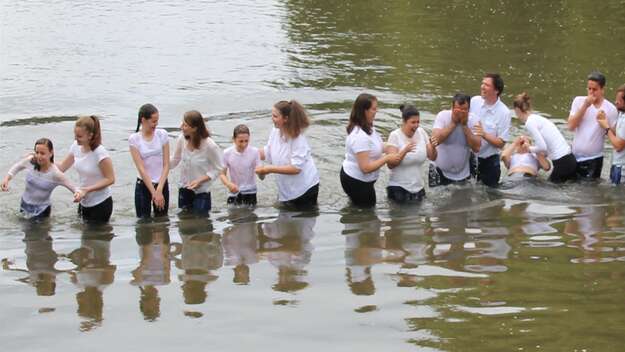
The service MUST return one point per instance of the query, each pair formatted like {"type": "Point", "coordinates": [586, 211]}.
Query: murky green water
{"type": "Point", "coordinates": [529, 266]}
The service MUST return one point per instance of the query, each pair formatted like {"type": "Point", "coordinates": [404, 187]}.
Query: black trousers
{"type": "Point", "coordinates": [401, 195]}
{"type": "Point", "coordinates": [97, 213]}
{"type": "Point", "coordinates": [489, 170]}
{"type": "Point", "coordinates": [143, 200]}
{"type": "Point", "coordinates": [306, 200]}
{"type": "Point", "coordinates": [564, 169]}
{"type": "Point", "coordinates": [437, 178]}
{"type": "Point", "coordinates": [589, 169]}
{"type": "Point", "coordinates": [243, 199]}
{"type": "Point", "coordinates": [362, 194]}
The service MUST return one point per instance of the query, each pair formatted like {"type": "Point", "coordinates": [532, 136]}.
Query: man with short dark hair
{"type": "Point", "coordinates": [454, 141]}
{"type": "Point", "coordinates": [493, 128]}
{"type": "Point", "coordinates": [589, 135]}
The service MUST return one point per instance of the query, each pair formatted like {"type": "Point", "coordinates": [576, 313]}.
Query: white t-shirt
{"type": "Point", "coordinates": [283, 151]}
{"type": "Point", "coordinates": [151, 152]}
{"type": "Point", "coordinates": [495, 120]}
{"type": "Point", "coordinates": [524, 160]}
{"type": "Point", "coordinates": [589, 136]}
{"type": "Point", "coordinates": [407, 174]}
{"type": "Point", "coordinates": [206, 160]}
{"type": "Point", "coordinates": [88, 167]}
{"type": "Point", "coordinates": [241, 167]}
{"type": "Point", "coordinates": [547, 137]}
{"type": "Point", "coordinates": [359, 141]}
{"type": "Point", "coordinates": [39, 185]}
{"type": "Point", "coordinates": [618, 158]}
{"type": "Point", "coordinates": [454, 152]}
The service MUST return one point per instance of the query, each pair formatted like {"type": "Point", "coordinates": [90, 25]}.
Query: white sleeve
{"type": "Point", "coordinates": [300, 152]}
{"type": "Point", "coordinates": [438, 121]}
{"type": "Point", "coordinates": [540, 146]}
{"type": "Point", "coordinates": [393, 139]}
{"type": "Point", "coordinates": [133, 141]}
{"type": "Point", "coordinates": [175, 160]}
{"type": "Point", "coordinates": [20, 165]}
{"type": "Point", "coordinates": [575, 105]}
{"type": "Point", "coordinates": [503, 130]}
{"type": "Point", "coordinates": [63, 180]}
{"type": "Point", "coordinates": [101, 153]}
{"type": "Point", "coordinates": [162, 136]}
{"type": "Point", "coordinates": [361, 142]}
{"type": "Point", "coordinates": [215, 156]}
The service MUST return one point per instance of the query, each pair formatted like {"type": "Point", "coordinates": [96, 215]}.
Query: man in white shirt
{"type": "Point", "coordinates": [493, 128]}
{"type": "Point", "coordinates": [616, 135]}
{"type": "Point", "coordinates": [454, 140]}
{"type": "Point", "coordinates": [589, 135]}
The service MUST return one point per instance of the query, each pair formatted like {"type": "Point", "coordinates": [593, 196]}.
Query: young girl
{"type": "Point", "coordinates": [240, 161]}
{"type": "Point", "coordinates": [289, 156]}
{"type": "Point", "coordinates": [42, 178]}
{"type": "Point", "coordinates": [150, 153]}
{"type": "Point", "coordinates": [363, 153]}
{"type": "Point", "coordinates": [95, 170]}
{"type": "Point", "coordinates": [521, 161]}
{"type": "Point", "coordinates": [411, 143]}
{"type": "Point", "coordinates": [201, 162]}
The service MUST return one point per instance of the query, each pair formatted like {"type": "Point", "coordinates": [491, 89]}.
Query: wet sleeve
{"type": "Point", "coordinates": [20, 165]}
{"type": "Point", "coordinates": [175, 160]}
{"type": "Point", "coordinates": [393, 140]}
{"type": "Point", "coordinates": [503, 130]}
{"type": "Point", "coordinates": [216, 158]}
{"type": "Point", "coordinates": [300, 152]}
{"type": "Point", "coordinates": [361, 142]}
{"type": "Point", "coordinates": [540, 146]}
{"type": "Point", "coordinates": [64, 181]}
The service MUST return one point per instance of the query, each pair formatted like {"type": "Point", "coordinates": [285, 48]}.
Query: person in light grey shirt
{"type": "Point", "coordinates": [616, 136]}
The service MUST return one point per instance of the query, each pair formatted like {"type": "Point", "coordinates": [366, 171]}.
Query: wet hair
{"type": "Point", "coordinates": [47, 143]}
{"type": "Point", "coordinates": [145, 112]}
{"type": "Point", "coordinates": [91, 124]}
{"type": "Point", "coordinates": [522, 102]}
{"type": "Point", "coordinates": [598, 77]}
{"type": "Point", "coordinates": [240, 129]}
{"type": "Point", "coordinates": [408, 111]}
{"type": "Point", "coordinates": [497, 82]}
{"type": "Point", "coordinates": [461, 99]}
{"type": "Point", "coordinates": [194, 118]}
{"type": "Point", "coordinates": [296, 117]}
{"type": "Point", "coordinates": [357, 117]}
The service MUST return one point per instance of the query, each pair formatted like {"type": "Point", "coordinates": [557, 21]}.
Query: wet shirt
{"type": "Point", "coordinates": [87, 164]}
{"type": "Point", "coordinates": [241, 168]}
{"type": "Point", "coordinates": [589, 135]}
{"type": "Point", "coordinates": [407, 174]}
{"type": "Point", "coordinates": [453, 154]}
{"type": "Point", "coordinates": [359, 141]}
{"type": "Point", "coordinates": [206, 160]}
{"type": "Point", "coordinates": [524, 160]}
{"type": "Point", "coordinates": [151, 152]}
{"type": "Point", "coordinates": [495, 120]}
{"type": "Point", "coordinates": [618, 158]}
{"type": "Point", "coordinates": [547, 137]}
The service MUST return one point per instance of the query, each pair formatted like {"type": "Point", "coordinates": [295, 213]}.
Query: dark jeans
{"type": "Point", "coordinates": [143, 200]}
{"type": "Point", "coordinates": [97, 213]}
{"type": "Point", "coordinates": [306, 200]}
{"type": "Point", "coordinates": [564, 169]}
{"type": "Point", "coordinates": [401, 195]}
{"type": "Point", "coordinates": [589, 169]}
{"type": "Point", "coordinates": [362, 194]}
{"type": "Point", "coordinates": [437, 178]}
{"type": "Point", "coordinates": [243, 199]}
{"type": "Point", "coordinates": [198, 203]}
{"type": "Point", "coordinates": [616, 174]}
{"type": "Point", "coordinates": [489, 170]}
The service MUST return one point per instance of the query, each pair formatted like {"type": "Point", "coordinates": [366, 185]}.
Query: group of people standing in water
{"type": "Point", "coordinates": [468, 140]}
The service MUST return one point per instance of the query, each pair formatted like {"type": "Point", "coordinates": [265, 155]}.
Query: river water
{"type": "Point", "coordinates": [529, 266]}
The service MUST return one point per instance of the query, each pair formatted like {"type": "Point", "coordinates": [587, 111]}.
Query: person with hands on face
{"type": "Point", "coordinates": [589, 136]}
{"type": "Point", "coordinates": [364, 153]}
{"type": "Point", "coordinates": [616, 135]}
{"type": "Point", "coordinates": [95, 171]}
{"type": "Point", "coordinates": [200, 160]}
{"type": "Point", "coordinates": [412, 144]}
{"type": "Point", "coordinates": [289, 156]}
{"type": "Point", "coordinates": [453, 137]}
{"type": "Point", "coordinates": [521, 161]}
{"type": "Point", "coordinates": [149, 148]}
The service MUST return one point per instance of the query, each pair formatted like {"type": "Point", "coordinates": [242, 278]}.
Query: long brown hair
{"type": "Point", "coordinates": [145, 112]}
{"type": "Point", "coordinates": [48, 144]}
{"type": "Point", "coordinates": [296, 119]}
{"type": "Point", "coordinates": [194, 119]}
{"type": "Point", "coordinates": [91, 124]}
{"type": "Point", "coordinates": [358, 117]}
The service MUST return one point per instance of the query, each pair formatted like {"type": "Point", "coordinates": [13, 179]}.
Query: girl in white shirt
{"type": "Point", "coordinates": [42, 178]}
{"type": "Point", "coordinates": [363, 153]}
{"type": "Point", "coordinates": [95, 170]}
{"type": "Point", "coordinates": [240, 162]}
{"type": "Point", "coordinates": [411, 143]}
{"type": "Point", "coordinates": [520, 160]}
{"type": "Point", "coordinates": [200, 160]}
{"type": "Point", "coordinates": [289, 156]}
{"type": "Point", "coordinates": [150, 153]}
{"type": "Point", "coordinates": [547, 140]}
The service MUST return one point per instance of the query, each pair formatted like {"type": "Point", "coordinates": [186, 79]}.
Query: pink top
{"type": "Point", "coordinates": [241, 167]}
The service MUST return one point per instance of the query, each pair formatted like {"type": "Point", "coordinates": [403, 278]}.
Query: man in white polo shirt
{"type": "Point", "coordinates": [493, 128]}
{"type": "Point", "coordinates": [454, 141]}
{"type": "Point", "coordinates": [589, 135]}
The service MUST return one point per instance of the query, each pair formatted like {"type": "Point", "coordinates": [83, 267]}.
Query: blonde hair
{"type": "Point", "coordinates": [91, 124]}
{"type": "Point", "coordinates": [522, 102]}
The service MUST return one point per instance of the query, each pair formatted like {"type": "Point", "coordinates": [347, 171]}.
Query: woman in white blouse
{"type": "Point", "coordinates": [95, 171]}
{"type": "Point", "coordinates": [363, 153]}
{"type": "Point", "coordinates": [412, 144]}
{"type": "Point", "coordinates": [288, 154]}
{"type": "Point", "coordinates": [201, 162]}
{"type": "Point", "coordinates": [149, 149]}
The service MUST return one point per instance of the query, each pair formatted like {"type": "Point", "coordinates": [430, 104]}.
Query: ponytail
{"type": "Point", "coordinates": [145, 112]}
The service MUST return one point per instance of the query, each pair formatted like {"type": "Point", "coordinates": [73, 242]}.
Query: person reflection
{"type": "Point", "coordinates": [285, 243]}
{"type": "Point", "coordinates": [202, 253]}
{"type": "Point", "coordinates": [587, 225]}
{"type": "Point", "coordinates": [40, 259]}
{"type": "Point", "coordinates": [241, 244]}
{"type": "Point", "coordinates": [154, 267]}
{"type": "Point", "coordinates": [93, 272]}
{"type": "Point", "coordinates": [363, 249]}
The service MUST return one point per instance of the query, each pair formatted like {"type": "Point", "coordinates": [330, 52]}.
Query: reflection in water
{"type": "Point", "coordinates": [285, 243]}
{"type": "Point", "coordinates": [202, 254]}
{"type": "Point", "coordinates": [241, 246]}
{"type": "Point", "coordinates": [154, 265]}
{"type": "Point", "coordinates": [93, 272]}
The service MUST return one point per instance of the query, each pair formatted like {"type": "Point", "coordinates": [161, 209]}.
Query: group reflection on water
{"type": "Point", "coordinates": [471, 233]}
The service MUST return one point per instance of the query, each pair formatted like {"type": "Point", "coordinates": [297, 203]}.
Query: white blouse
{"type": "Point", "coordinates": [88, 167]}
{"type": "Point", "coordinates": [407, 174]}
{"type": "Point", "coordinates": [206, 160]}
